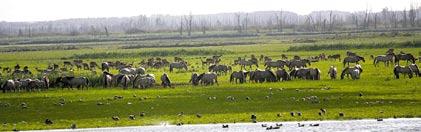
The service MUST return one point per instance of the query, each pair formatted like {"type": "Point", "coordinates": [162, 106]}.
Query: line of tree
{"type": "Point", "coordinates": [240, 22]}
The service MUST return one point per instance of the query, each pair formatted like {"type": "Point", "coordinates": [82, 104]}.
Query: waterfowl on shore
{"type": "Point", "coordinates": [314, 125]}
{"type": "Point", "coordinates": [300, 125]}
{"type": "Point", "coordinates": [341, 114]}
{"type": "Point", "coordinates": [225, 126]}
{"type": "Point", "coordinates": [253, 118]}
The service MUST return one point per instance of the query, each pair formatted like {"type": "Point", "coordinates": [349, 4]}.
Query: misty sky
{"type": "Point", "coordinates": [39, 10]}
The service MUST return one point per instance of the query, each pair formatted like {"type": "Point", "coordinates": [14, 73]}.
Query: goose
{"type": "Point", "coordinates": [225, 126]}
{"type": "Point", "coordinates": [73, 126]}
{"type": "Point", "coordinates": [115, 118]}
{"type": "Point", "coordinates": [292, 114]}
{"type": "Point", "coordinates": [48, 121]}
{"type": "Point", "coordinates": [198, 115]}
{"type": "Point", "coordinates": [264, 125]}
{"type": "Point", "coordinates": [314, 125]}
{"type": "Point", "coordinates": [341, 114]}
{"type": "Point", "coordinates": [300, 125]}
{"type": "Point", "coordinates": [132, 117]}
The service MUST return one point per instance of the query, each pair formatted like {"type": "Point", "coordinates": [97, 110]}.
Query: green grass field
{"type": "Point", "coordinates": [383, 95]}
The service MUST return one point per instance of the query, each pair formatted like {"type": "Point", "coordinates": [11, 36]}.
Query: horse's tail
{"type": "Point", "coordinates": [395, 71]}
{"type": "Point", "coordinates": [375, 61]}
{"type": "Point", "coordinates": [232, 77]}
{"type": "Point", "coordinates": [343, 73]}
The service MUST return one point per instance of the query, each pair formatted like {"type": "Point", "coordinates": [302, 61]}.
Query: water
{"type": "Point", "coordinates": [409, 124]}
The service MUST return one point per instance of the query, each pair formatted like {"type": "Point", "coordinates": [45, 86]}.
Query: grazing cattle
{"type": "Point", "coordinates": [70, 82]}
{"type": "Point", "coordinates": [105, 66]}
{"type": "Point", "coordinates": [352, 59]}
{"type": "Point", "coordinates": [262, 76]}
{"type": "Point", "coordinates": [194, 79]}
{"type": "Point", "coordinates": [355, 72]}
{"type": "Point", "coordinates": [9, 85]}
{"type": "Point", "coordinates": [144, 81]}
{"type": "Point", "coordinates": [238, 76]}
{"type": "Point", "coordinates": [107, 79]}
{"type": "Point", "coordinates": [415, 69]}
{"type": "Point", "coordinates": [165, 80]}
{"type": "Point", "coordinates": [407, 57]}
{"type": "Point", "coordinates": [67, 63]}
{"type": "Point", "coordinates": [406, 70]}
{"type": "Point", "coordinates": [277, 64]}
{"type": "Point", "coordinates": [306, 73]}
{"type": "Point", "coordinates": [334, 57]}
{"type": "Point", "coordinates": [178, 65]}
{"type": "Point", "coordinates": [208, 78]}
{"type": "Point", "coordinates": [220, 69]}
{"type": "Point", "coordinates": [21, 73]}
{"type": "Point", "coordinates": [386, 59]}
{"type": "Point", "coordinates": [282, 75]}
{"type": "Point", "coordinates": [332, 72]}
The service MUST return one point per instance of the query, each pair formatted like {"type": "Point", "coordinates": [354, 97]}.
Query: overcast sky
{"type": "Point", "coordinates": [40, 10]}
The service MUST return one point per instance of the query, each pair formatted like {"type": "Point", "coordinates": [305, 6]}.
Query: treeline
{"type": "Point", "coordinates": [240, 22]}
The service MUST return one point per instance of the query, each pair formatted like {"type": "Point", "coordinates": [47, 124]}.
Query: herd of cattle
{"type": "Point", "coordinates": [285, 70]}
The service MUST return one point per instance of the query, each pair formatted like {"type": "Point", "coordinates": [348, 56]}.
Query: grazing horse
{"type": "Point", "coordinates": [68, 63]}
{"type": "Point", "coordinates": [282, 75]}
{"type": "Point", "coordinates": [334, 57]}
{"type": "Point", "coordinates": [386, 59]}
{"type": "Point", "coordinates": [298, 63]}
{"type": "Point", "coordinates": [278, 64]}
{"type": "Point", "coordinates": [144, 81]}
{"type": "Point", "coordinates": [132, 71]}
{"type": "Point", "coordinates": [124, 80]}
{"type": "Point", "coordinates": [332, 72]}
{"type": "Point", "coordinates": [208, 78]}
{"type": "Point", "coordinates": [107, 79]}
{"type": "Point", "coordinates": [220, 69]}
{"type": "Point", "coordinates": [415, 69]}
{"type": "Point", "coordinates": [355, 72]}
{"type": "Point", "coordinates": [165, 80]}
{"type": "Point", "coordinates": [105, 66]}
{"type": "Point", "coordinates": [284, 57]}
{"type": "Point", "coordinates": [352, 59]}
{"type": "Point", "coordinates": [262, 76]}
{"type": "Point", "coordinates": [349, 53]}
{"type": "Point", "coordinates": [306, 73]}
{"type": "Point", "coordinates": [194, 79]}
{"type": "Point", "coordinates": [407, 57]}
{"type": "Point", "coordinates": [9, 85]}
{"type": "Point", "coordinates": [406, 70]}
{"type": "Point", "coordinates": [178, 65]}
{"type": "Point", "coordinates": [93, 65]}
{"type": "Point", "coordinates": [238, 75]}
{"type": "Point", "coordinates": [70, 82]}
{"type": "Point", "coordinates": [243, 63]}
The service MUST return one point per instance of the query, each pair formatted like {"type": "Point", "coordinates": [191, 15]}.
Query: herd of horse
{"type": "Point", "coordinates": [128, 75]}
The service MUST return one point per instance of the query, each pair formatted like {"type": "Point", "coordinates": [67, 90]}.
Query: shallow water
{"type": "Point", "coordinates": [402, 124]}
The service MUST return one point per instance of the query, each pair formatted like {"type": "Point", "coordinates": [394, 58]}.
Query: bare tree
{"type": "Point", "coordinates": [181, 26]}
{"type": "Point", "coordinates": [404, 21]}
{"type": "Point", "coordinates": [189, 22]}
{"type": "Point", "coordinates": [279, 21]}
{"type": "Point", "coordinates": [412, 15]}
{"type": "Point", "coordinates": [238, 19]}
{"type": "Point", "coordinates": [106, 31]}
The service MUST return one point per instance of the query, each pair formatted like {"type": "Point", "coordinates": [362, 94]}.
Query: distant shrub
{"type": "Point", "coordinates": [38, 48]}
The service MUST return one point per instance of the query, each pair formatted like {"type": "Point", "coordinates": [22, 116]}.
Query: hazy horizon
{"type": "Point", "coordinates": [46, 10]}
